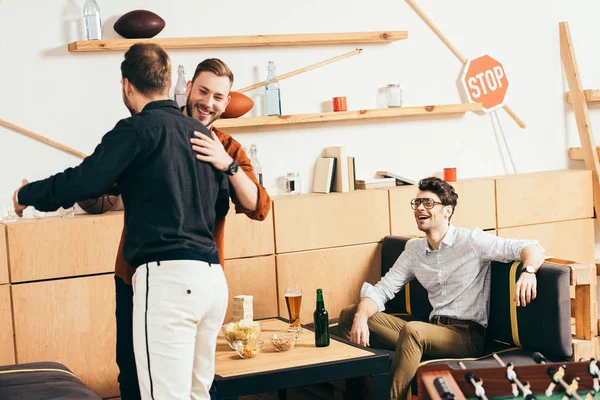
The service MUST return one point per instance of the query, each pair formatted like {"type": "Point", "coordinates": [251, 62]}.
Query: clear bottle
{"type": "Point", "coordinates": [321, 320]}
{"type": "Point", "coordinates": [180, 87]}
{"type": "Point", "coordinates": [272, 95]}
{"type": "Point", "coordinates": [92, 20]}
{"type": "Point", "coordinates": [256, 167]}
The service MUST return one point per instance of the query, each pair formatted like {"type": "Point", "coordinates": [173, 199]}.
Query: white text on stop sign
{"type": "Point", "coordinates": [488, 80]}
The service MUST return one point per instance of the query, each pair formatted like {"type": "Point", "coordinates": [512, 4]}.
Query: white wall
{"type": "Point", "coordinates": [75, 98]}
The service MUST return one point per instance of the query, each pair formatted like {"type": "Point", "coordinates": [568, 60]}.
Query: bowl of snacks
{"type": "Point", "coordinates": [248, 348]}
{"type": "Point", "coordinates": [284, 341]}
{"type": "Point", "coordinates": [241, 330]}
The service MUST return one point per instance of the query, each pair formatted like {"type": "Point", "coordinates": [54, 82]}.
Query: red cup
{"type": "Point", "coordinates": [450, 174]}
{"type": "Point", "coordinates": [339, 104]}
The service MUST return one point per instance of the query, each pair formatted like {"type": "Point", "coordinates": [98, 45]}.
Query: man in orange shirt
{"type": "Point", "coordinates": [207, 97]}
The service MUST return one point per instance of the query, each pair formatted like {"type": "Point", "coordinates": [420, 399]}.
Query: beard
{"type": "Point", "coordinates": [189, 107]}
{"type": "Point", "coordinates": [128, 103]}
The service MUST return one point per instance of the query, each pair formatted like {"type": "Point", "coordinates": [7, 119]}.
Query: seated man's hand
{"type": "Point", "coordinates": [359, 333]}
{"type": "Point", "coordinates": [526, 289]}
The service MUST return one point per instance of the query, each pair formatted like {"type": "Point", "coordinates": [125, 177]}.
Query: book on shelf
{"type": "Point", "coordinates": [400, 180]}
{"type": "Point", "coordinates": [375, 183]}
{"type": "Point", "coordinates": [342, 183]}
{"type": "Point", "coordinates": [351, 174]}
{"type": "Point", "coordinates": [324, 178]}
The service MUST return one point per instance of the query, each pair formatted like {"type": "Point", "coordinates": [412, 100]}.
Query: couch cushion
{"type": "Point", "coordinates": [543, 325]}
{"type": "Point", "coordinates": [412, 299]}
{"type": "Point", "coordinates": [42, 381]}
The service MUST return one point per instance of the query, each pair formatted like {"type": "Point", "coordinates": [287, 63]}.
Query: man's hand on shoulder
{"type": "Point", "coordinates": [359, 333]}
{"type": "Point", "coordinates": [211, 150]}
{"type": "Point", "coordinates": [526, 289]}
{"type": "Point", "coordinates": [18, 207]}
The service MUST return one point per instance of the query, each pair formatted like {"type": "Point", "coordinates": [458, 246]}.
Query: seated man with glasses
{"type": "Point", "coordinates": [453, 265]}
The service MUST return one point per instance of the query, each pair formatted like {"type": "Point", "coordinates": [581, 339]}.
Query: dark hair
{"type": "Point", "coordinates": [216, 66]}
{"type": "Point", "coordinates": [442, 189]}
{"type": "Point", "coordinates": [148, 68]}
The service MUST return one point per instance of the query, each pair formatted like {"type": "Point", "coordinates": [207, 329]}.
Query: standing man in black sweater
{"type": "Point", "coordinates": [172, 201]}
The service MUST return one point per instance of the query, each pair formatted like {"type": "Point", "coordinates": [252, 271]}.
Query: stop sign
{"type": "Point", "coordinates": [485, 82]}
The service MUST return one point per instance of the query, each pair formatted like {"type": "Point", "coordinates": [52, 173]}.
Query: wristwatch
{"type": "Point", "coordinates": [529, 269]}
{"type": "Point", "coordinates": [233, 168]}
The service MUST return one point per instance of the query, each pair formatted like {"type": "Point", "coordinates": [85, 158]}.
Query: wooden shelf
{"type": "Point", "coordinates": [347, 115]}
{"type": "Point", "coordinates": [591, 95]}
{"type": "Point", "coordinates": [243, 41]}
{"type": "Point", "coordinates": [576, 153]}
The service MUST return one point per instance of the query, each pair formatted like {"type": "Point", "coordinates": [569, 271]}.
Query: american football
{"type": "Point", "coordinates": [239, 105]}
{"type": "Point", "coordinates": [139, 24]}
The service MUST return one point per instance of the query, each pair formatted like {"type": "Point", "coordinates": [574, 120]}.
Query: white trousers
{"type": "Point", "coordinates": [178, 309]}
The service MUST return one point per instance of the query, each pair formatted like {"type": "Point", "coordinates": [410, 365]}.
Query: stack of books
{"type": "Point", "coordinates": [375, 183]}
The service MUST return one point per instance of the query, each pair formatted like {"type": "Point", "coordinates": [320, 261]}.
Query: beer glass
{"type": "Point", "coordinates": [293, 301]}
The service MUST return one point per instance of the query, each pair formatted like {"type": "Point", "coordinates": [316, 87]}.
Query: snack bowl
{"type": "Point", "coordinates": [241, 330]}
{"type": "Point", "coordinates": [284, 341]}
{"type": "Point", "coordinates": [248, 348]}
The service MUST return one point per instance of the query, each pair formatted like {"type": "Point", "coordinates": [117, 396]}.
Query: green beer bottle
{"type": "Point", "coordinates": [321, 319]}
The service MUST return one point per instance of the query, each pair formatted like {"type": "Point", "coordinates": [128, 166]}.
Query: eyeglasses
{"type": "Point", "coordinates": [427, 203]}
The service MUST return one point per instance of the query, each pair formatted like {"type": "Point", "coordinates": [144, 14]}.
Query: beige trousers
{"type": "Point", "coordinates": [412, 342]}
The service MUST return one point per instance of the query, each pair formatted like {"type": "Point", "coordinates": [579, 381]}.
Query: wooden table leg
{"type": "Point", "coordinates": [381, 386]}
{"type": "Point", "coordinates": [354, 388]}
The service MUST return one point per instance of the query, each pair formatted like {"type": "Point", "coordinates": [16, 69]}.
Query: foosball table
{"type": "Point", "coordinates": [542, 380]}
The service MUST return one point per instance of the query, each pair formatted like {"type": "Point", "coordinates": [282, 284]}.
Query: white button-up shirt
{"type": "Point", "coordinates": [456, 277]}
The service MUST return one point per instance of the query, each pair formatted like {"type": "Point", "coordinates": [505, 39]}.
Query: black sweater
{"type": "Point", "coordinates": [172, 199]}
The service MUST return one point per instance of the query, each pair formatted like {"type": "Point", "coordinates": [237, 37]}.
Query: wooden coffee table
{"type": "Point", "coordinates": [302, 366]}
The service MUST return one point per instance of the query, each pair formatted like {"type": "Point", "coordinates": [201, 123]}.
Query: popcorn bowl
{"type": "Point", "coordinates": [241, 330]}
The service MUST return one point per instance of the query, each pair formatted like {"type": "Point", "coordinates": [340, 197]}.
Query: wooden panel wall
{"type": "Point", "coordinates": [247, 238]}
{"type": "Point", "coordinates": [7, 344]}
{"type": "Point", "coordinates": [340, 272]}
{"type": "Point", "coordinates": [570, 240]}
{"type": "Point", "coordinates": [255, 277]}
{"type": "Point", "coordinates": [317, 221]}
{"type": "Point", "coordinates": [476, 204]}
{"type": "Point", "coordinates": [56, 247]}
{"type": "Point", "coordinates": [3, 256]}
{"type": "Point", "coordinates": [540, 197]}
{"type": "Point", "coordinates": [70, 321]}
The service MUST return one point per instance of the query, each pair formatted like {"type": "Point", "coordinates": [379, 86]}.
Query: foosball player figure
{"type": "Point", "coordinates": [527, 393]}
{"type": "Point", "coordinates": [590, 395]}
{"type": "Point", "coordinates": [571, 390]}
{"type": "Point", "coordinates": [477, 384]}
{"type": "Point", "coordinates": [511, 375]}
{"type": "Point", "coordinates": [594, 371]}
{"type": "Point", "coordinates": [556, 378]}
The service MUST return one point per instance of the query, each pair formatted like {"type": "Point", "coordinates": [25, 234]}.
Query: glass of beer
{"type": "Point", "coordinates": [293, 301]}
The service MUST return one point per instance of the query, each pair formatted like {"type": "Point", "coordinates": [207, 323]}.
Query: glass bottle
{"type": "Point", "coordinates": [180, 87]}
{"type": "Point", "coordinates": [92, 20]}
{"type": "Point", "coordinates": [321, 319]}
{"type": "Point", "coordinates": [256, 167]}
{"type": "Point", "coordinates": [272, 95]}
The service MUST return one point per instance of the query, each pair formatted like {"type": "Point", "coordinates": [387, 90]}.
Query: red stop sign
{"type": "Point", "coordinates": [485, 82]}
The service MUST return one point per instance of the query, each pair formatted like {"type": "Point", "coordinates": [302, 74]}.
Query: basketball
{"type": "Point", "coordinates": [100, 205]}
